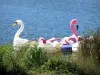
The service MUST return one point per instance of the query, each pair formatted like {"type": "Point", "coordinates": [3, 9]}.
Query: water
{"type": "Point", "coordinates": [46, 18]}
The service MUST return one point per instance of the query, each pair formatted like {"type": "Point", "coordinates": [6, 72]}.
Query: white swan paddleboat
{"type": "Point", "coordinates": [18, 41]}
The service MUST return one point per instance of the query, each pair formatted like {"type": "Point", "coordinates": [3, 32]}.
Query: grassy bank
{"type": "Point", "coordinates": [34, 61]}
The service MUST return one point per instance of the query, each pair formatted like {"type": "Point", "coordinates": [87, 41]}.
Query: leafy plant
{"type": "Point", "coordinates": [9, 64]}
{"type": "Point", "coordinates": [36, 57]}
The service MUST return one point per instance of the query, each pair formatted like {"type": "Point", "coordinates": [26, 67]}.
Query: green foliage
{"type": "Point", "coordinates": [9, 65]}
{"type": "Point", "coordinates": [20, 62]}
{"type": "Point", "coordinates": [4, 50]}
{"type": "Point", "coordinates": [61, 66]}
{"type": "Point", "coordinates": [36, 57]}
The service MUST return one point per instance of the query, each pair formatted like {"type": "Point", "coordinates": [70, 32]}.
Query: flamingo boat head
{"type": "Point", "coordinates": [74, 22]}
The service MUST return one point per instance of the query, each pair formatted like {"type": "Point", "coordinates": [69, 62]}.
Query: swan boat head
{"type": "Point", "coordinates": [17, 22]}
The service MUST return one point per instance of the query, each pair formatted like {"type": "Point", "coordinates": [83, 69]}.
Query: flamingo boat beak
{"type": "Point", "coordinates": [77, 27]}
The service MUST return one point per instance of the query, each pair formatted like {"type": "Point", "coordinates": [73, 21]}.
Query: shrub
{"type": "Point", "coordinates": [4, 49]}
{"type": "Point", "coordinates": [36, 57]}
{"type": "Point", "coordinates": [62, 66]}
{"type": "Point", "coordinates": [9, 64]}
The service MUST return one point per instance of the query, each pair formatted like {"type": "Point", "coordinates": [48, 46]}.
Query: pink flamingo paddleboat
{"type": "Point", "coordinates": [70, 43]}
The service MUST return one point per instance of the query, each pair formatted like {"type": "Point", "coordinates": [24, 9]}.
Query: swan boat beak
{"type": "Point", "coordinates": [15, 24]}
{"type": "Point", "coordinates": [77, 27]}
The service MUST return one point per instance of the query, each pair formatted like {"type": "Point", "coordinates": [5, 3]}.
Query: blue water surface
{"type": "Point", "coordinates": [46, 18]}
